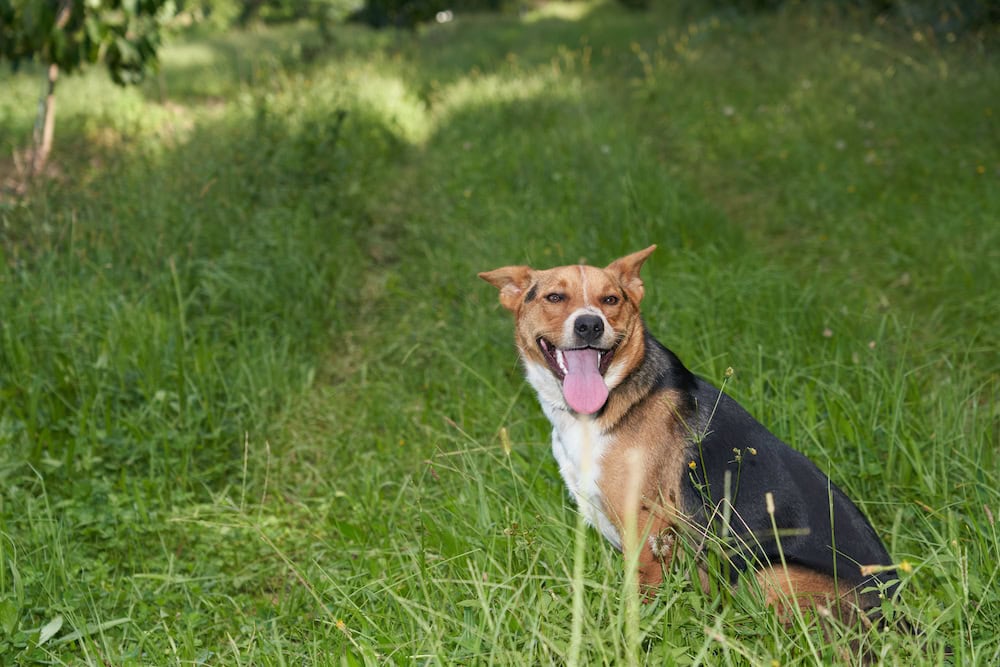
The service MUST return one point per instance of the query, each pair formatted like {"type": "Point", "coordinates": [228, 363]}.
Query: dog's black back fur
{"type": "Point", "coordinates": [818, 526]}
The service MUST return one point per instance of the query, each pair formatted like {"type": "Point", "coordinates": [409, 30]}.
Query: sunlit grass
{"type": "Point", "coordinates": [563, 11]}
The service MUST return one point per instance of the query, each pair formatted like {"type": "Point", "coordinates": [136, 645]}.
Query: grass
{"type": "Point", "coordinates": [255, 408]}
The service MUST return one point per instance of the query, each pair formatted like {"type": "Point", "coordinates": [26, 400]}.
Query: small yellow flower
{"type": "Point", "coordinates": [341, 625]}
{"type": "Point", "coordinates": [729, 372]}
{"type": "Point", "coordinates": [752, 451]}
{"type": "Point", "coordinates": [980, 169]}
{"type": "Point", "coordinates": [905, 566]}
{"type": "Point", "coordinates": [693, 465]}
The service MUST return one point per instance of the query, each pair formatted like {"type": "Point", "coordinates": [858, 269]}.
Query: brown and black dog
{"type": "Point", "coordinates": [636, 434]}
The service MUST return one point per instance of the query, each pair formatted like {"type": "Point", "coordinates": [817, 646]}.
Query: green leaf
{"type": "Point", "coordinates": [126, 50]}
{"type": "Point", "coordinates": [91, 629]}
{"type": "Point", "coordinates": [50, 629]}
{"type": "Point", "coordinates": [8, 616]}
{"type": "Point", "coordinates": [93, 28]}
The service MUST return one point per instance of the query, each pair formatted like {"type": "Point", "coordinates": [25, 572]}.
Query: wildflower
{"type": "Point", "coordinates": [341, 625]}
{"type": "Point", "coordinates": [828, 333]}
{"type": "Point", "coordinates": [693, 465]}
{"type": "Point", "coordinates": [752, 450]}
{"type": "Point", "coordinates": [906, 567]}
{"type": "Point", "coordinates": [980, 169]}
{"type": "Point", "coordinates": [729, 372]}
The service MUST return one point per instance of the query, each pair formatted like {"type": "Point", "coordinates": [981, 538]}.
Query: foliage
{"type": "Point", "coordinates": [635, 4]}
{"type": "Point", "coordinates": [942, 16]}
{"type": "Point", "coordinates": [124, 34]}
{"type": "Point", "coordinates": [408, 13]}
{"type": "Point", "coordinates": [276, 11]}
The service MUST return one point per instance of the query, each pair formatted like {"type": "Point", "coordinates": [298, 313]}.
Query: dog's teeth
{"type": "Point", "coordinates": [561, 360]}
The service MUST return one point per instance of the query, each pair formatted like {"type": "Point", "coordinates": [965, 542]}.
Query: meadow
{"type": "Point", "coordinates": [257, 409]}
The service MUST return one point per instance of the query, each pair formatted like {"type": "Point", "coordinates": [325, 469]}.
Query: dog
{"type": "Point", "coordinates": [639, 437]}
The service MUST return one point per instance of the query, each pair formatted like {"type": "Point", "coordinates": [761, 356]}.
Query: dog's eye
{"type": "Point", "coordinates": [554, 297]}
{"type": "Point", "coordinates": [610, 300]}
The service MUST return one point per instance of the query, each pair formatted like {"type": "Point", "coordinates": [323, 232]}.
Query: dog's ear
{"type": "Point", "coordinates": [626, 270]}
{"type": "Point", "coordinates": [511, 281]}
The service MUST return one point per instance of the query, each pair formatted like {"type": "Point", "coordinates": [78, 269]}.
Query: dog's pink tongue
{"type": "Point", "coordinates": [584, 388]}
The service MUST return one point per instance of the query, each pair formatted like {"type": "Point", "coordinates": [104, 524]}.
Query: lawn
{"type": "Point", "coordinates": [257, 409]}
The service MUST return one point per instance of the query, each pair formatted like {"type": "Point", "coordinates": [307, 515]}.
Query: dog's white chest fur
{"type": "Point", "coordinates": [579, 446]}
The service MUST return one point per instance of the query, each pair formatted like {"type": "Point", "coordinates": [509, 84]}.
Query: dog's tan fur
{"type": "Point", "coordinates": [629, 422]}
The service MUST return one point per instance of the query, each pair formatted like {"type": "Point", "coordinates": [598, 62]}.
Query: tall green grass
{"type": "Point", "coordinates": [257, 409]}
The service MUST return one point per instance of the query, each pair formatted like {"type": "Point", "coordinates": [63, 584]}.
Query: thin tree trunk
{"type": "Point", "coordinates": [45, 129]}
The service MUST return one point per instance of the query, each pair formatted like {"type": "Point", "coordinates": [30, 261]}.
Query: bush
{"type": "Point", "coordinates": [408, 13]}
{"type": "Point", "coordinates": [943, 16]}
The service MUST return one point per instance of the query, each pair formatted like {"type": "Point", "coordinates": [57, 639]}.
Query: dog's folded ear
{"type": "Point", "coordinates": [511, 281]}
{"type": "Point", "coordinates": [626, 269]}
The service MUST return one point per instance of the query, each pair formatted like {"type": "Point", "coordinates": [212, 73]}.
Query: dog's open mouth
{"type": "Point", "coordinates": [581, 371]}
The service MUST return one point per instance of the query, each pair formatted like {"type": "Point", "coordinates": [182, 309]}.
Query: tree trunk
{"type": "Point", "coordinates": [45, 130]}
{"type": "Point", "coordinates": [46, 125]}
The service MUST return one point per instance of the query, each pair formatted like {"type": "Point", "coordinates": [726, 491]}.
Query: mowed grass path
{"type": "Point", "coordinates": [257, 409]}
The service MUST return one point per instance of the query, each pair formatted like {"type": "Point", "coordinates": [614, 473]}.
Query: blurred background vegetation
{"type": "Point", "coordinates": [943, 15]}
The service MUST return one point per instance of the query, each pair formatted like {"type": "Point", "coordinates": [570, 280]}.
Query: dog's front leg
{"type": "Point", "coordinates": [655, 553]}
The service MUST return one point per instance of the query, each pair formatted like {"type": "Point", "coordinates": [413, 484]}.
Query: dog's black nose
{"type": "Point", "coordinates": [588, 328]}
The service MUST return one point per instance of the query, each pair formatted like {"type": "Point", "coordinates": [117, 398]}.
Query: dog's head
{"type": "Point", "coordinates": [574, 326]}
